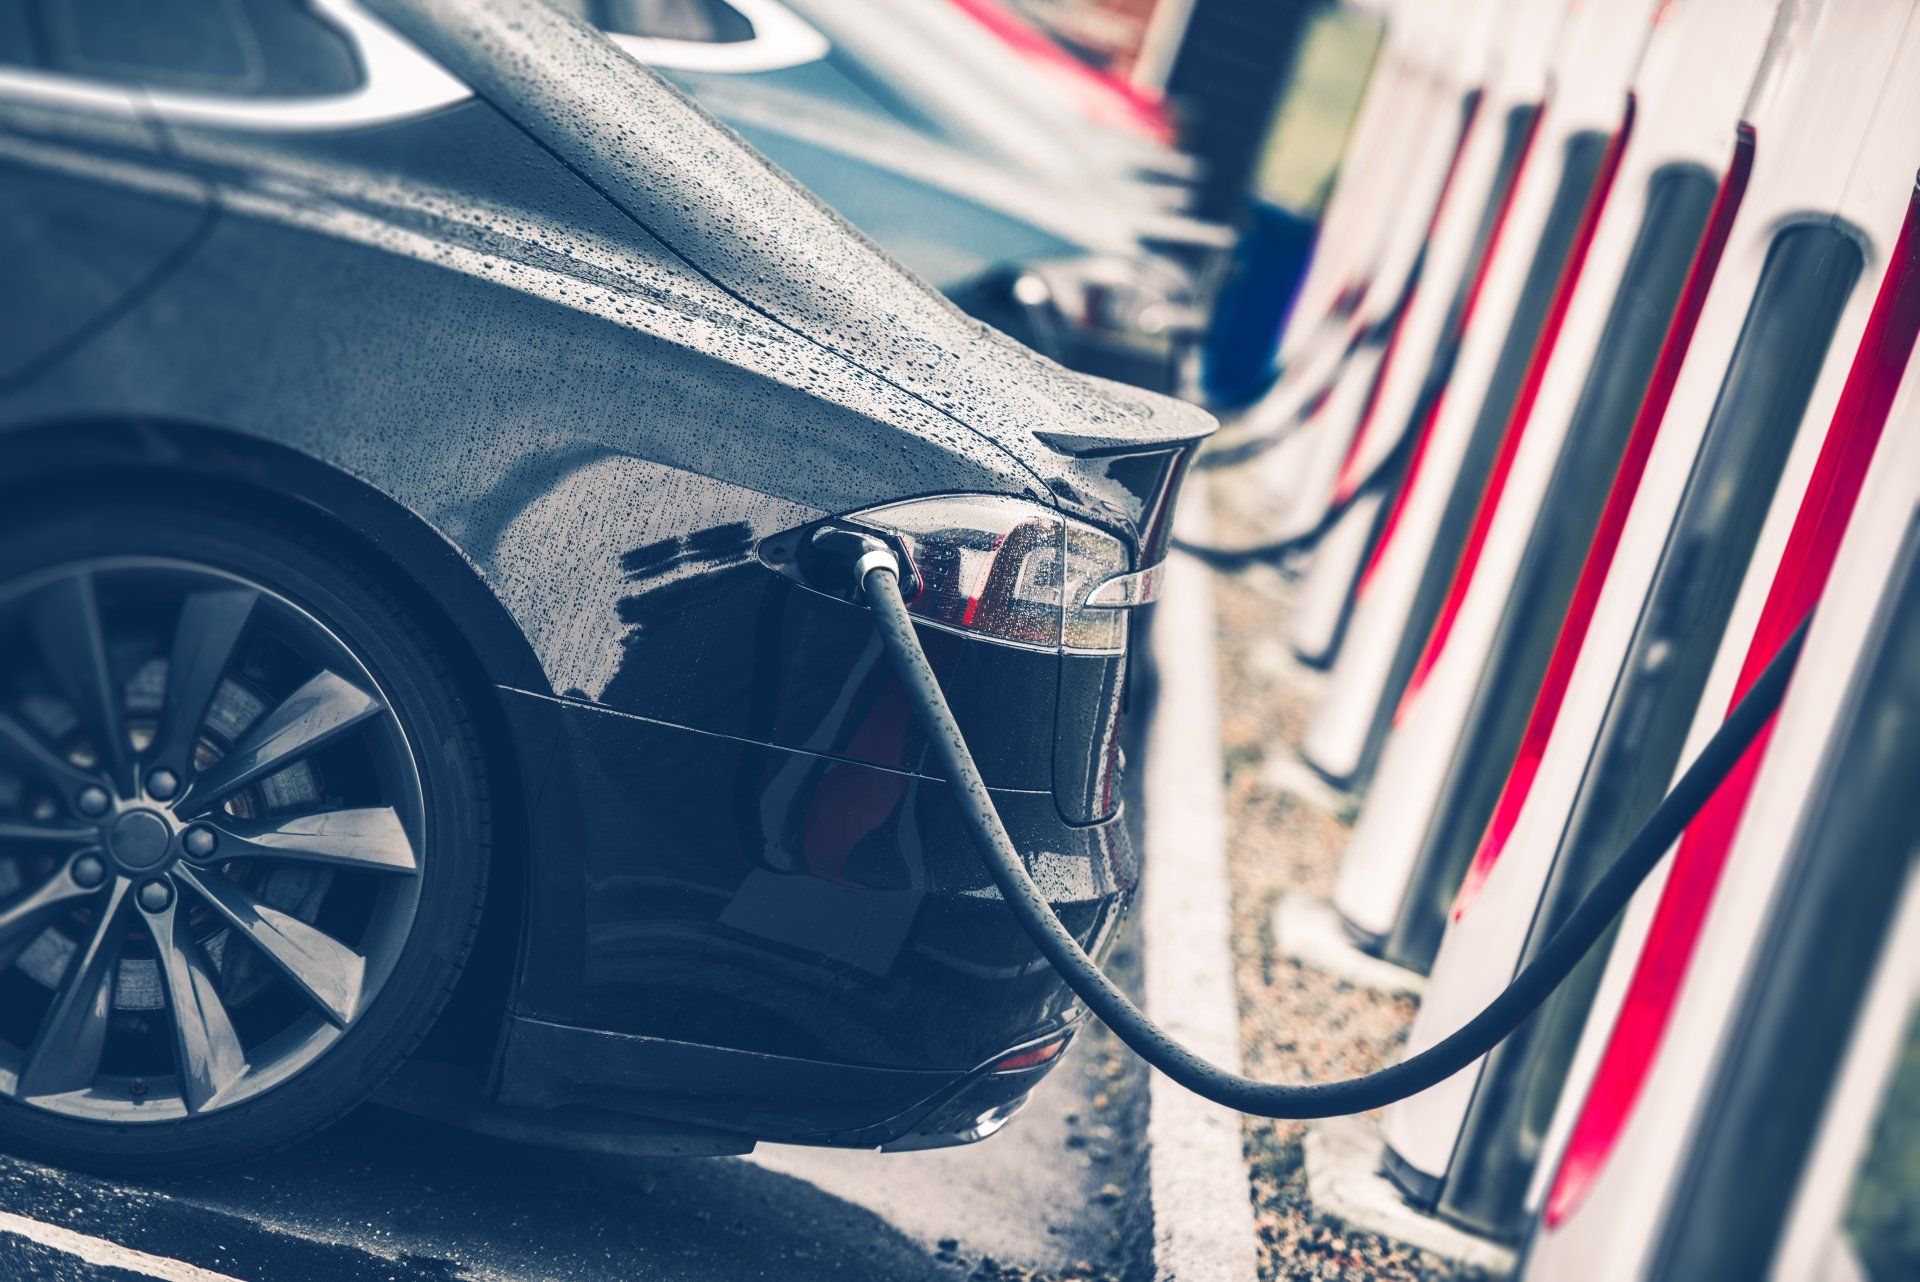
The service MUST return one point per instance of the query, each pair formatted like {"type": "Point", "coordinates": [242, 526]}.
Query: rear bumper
{"type": "Point", "coordinates": [774, 942]}
{"type": "Point", "coordinates": [715, 1089]}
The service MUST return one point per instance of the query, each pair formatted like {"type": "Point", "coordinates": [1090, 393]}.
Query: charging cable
{"type": "Point", "coordinates": [879, 578]}
{"type": "Point", "coordinates": [1220, 558]}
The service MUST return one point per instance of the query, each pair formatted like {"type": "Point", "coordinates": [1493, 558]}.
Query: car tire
{"type": "Point", "coordinates": [415, 765]}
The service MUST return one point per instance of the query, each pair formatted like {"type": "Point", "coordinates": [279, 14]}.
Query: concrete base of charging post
{"type": "Point", "coordinates": [1347, 1186]}
{"type": "Point", "coordinates": [1308, 930]}
{"type": "Point", "coordinates": [1200, 1194]}
{"type": "Point", "coordinates": [1285, 773]}
{"type": "Point", "coordinates": [1271, 657]}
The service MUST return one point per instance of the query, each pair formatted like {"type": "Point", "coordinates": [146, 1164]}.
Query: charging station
{"type": "Point", "coordinates": [1350, 417]}
{"type": "Point", "coordinates": [1730, 1154]}
{"type": "Point", "coordinates": [1328, 399]}
{"type": "Point", "coordinates": [1459, 723]}
{"type": "Point", "coordinates": [1447, 99]}
{"type": "Point", "coordinates": [1596, 432]}
{"type": "Point", "coordinates": [1725, 553]}
{"type": "Point", "coordinates": [1559, 191]}
{"type": "Point", "coordinates": [1454, 260]}
{"type": "Point", "coordinates": [1759, 401]}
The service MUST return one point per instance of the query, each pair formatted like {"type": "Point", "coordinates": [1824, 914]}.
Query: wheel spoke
{"type": "Point", "coordinates": [65, 618]}
{"type": "Point", "coordinates": [65, 1055]}
{"type": "Point", "coordinates": [329, 972]}
{"type": "Point", "coordinates": [324, 708]}
{"type": "Point", "coordinates": [210, 1055]}
{"type": "Point", "coordinates": [204, 641]}
{"type": "Point", "coordinates": [371, 839]}
{"type": "Point", "coordinates": [25, 749]}
{"type": "Point", "coordinates": [22, 920]}
{"type": "Point", "coordinates": [17, 832]}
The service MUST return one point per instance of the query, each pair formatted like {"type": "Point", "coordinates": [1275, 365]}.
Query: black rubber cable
{"type": "Point", "coordinates": [1536, 980]}
{"type": "Point", "coordinates": [1247, 448]}
{"type": "Point", "coordinates": [1234, 453]}
{"type": "Point", "coordinates": [1220, 558]}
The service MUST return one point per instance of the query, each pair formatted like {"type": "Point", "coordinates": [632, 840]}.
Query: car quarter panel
{"type": "Point", "coordinates": [79, 251]}
{"type": "Point", "coordinates": [556, 395]}
{"type": "Point", "coordinates": [766, 240]}
{"type": "Point", "coordinates": [791, 903]}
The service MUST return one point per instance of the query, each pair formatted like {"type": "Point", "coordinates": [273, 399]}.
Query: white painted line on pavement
{"type": "Point", "coordinates": [101, 1253]}
{"type": "Point", "coordinates": [1202, 1208]}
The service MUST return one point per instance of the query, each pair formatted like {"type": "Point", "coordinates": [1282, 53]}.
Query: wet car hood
{"type": "Point", "coordinates": [738, 220]}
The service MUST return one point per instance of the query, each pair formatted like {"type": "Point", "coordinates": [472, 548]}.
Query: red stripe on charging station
{"type": "Point", "coordinates": [1345, 482]}
{"type": "Point", "coordinates": [1613, 520]}
{"type": "Point", "coordinates": [1424, 436]}
{"type": "Point", "coordinates": [1522, 409]}
{"type": "Point", "coordinates": [1821, 522]}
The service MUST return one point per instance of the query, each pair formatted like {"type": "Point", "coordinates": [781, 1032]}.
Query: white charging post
{"type": "Point", "coordinates": [1731, 1152]}
{"type": "Point", "coordinates": [1456, 252]}
{"type": "Point", "coordinates": [1461, 719]}
{"type": "Point", "coordinates": [1566, 179]}
{"type": "Point", "coordinates": [1752, 411]}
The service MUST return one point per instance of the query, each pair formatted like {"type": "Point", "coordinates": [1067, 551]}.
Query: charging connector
{"type": "Point", "coordinates": [834, 559]}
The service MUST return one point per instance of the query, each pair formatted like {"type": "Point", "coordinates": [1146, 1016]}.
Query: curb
{"type": "Point", "coordinates": [1203, 1227]}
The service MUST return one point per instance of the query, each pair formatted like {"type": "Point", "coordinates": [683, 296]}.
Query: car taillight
{"type": "Point", "coordinates": [1004, 568]}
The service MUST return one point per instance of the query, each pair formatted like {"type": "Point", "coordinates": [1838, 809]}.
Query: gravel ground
{"type": "Point", "coordinates": [1296, 1023]}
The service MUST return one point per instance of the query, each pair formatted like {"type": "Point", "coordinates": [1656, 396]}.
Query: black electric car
{"type": "Point", "coordinates": [416, 664]}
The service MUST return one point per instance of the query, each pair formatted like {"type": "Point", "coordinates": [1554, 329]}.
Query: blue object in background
{"type": "Point", "coordinates": [1292, 177]}
{"type": "Point", "coordinates": [1239, 361]}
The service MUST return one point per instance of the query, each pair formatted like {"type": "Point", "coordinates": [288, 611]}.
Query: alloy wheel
{"type": "Point", "coordinates": [209, 839]}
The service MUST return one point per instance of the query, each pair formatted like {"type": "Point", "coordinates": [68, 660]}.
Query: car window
{"type": "Point", "coordinates": [705, 21]}
{"type": "Point", "coordinates": [241, 48]}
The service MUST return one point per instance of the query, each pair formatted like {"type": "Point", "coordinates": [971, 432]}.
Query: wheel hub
{"type": "Point", "coordinates": [140, 840]}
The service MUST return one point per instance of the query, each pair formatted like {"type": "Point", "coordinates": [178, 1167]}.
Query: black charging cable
{"type": "Point", "coordinates": [878, 573]}
{"type": "Point", "coordinates": [1378, 479]}
{"type": "Point", "coordinates": [1246, 448]}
